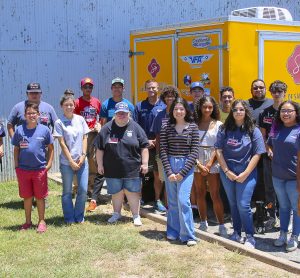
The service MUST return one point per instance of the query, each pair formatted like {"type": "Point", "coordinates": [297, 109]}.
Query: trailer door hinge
{"type": "Point", "coordinates": [138, 53]}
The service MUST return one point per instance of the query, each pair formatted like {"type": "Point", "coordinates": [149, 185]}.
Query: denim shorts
{"type": "Point", "coordinates": [116, 185]}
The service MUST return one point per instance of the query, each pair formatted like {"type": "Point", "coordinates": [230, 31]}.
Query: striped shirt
{"type": "Point", "coordinates": [185, 145]}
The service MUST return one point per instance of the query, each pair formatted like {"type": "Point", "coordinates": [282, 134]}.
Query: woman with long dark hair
{"type": "Point", "coordinates": [179, 145]}
{"type": "Point", "coordinates": [239, 147]}
{"type": "Point", "coordinates": [207, 117]}
{"type": "Point", "coordinates": [284, 142]}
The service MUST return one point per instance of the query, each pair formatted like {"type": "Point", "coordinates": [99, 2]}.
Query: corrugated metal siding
{"type": "Point", "coordinates": [58, 42]}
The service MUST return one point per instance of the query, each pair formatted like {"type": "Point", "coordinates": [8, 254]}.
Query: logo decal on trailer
{"type": "Point", "coordinates": [196, 60]}
{"type": "Point", "coordinates": [201, 42]}
{"type": "Point", "coordinates": [153, 68]}
{"type": "Point", "coordinates": [293, 65]}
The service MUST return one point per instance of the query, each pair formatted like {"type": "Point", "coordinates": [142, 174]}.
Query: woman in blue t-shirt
{"type": "Point", "coordinates": [239, 146]}
{"type": "Point", "coordinates": [283, 142]}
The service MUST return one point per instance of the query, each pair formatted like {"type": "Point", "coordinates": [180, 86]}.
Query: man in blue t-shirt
{"type": "Point", "coordinates": [17, 114]}
{"type": "Point", "coordinates": [142, 113]}
{"type": "Point", "coordinates": [34, 94]}
{"type": "Point", "coordinates": [108, 106]}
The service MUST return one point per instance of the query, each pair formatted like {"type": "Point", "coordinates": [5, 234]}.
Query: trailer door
{"type": "Point", "coordinates": [153, 59]}
{"type": "Point", "coordinates": [200, 56]}
{"type": "Point", "coordinates": [279, 59]}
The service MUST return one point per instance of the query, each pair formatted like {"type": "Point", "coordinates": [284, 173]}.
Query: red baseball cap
{"type": "Point", "coordinates": [86, 80]}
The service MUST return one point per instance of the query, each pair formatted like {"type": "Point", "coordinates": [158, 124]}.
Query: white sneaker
{"type": "Point", "coordinates": [282, 240]}
{"type": "Point", "coordinates": [292, 244]}
{"type": "Point", "coordinates": [191, 242]}
{"type": "Point", "coordinates": [203, 226]}
{"type": "Point", "coordinates": [137, 220]}
{"type": "Point", "coordinates": [250, 241]}
{"type": "Point", "coordinates": [223, 231]}
{"type": "Point", "coordinates": [115, 217]}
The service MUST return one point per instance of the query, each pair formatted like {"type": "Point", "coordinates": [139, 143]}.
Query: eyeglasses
{"type": "Point", "coordinates": [234, 110]}
{"type": "Point", "coordinates": [286, 111]}
{"type": "Point", "coordinates": [31, 113]}
{"type": "Point", "coordinates": [258, 87]}
{"type": "Point", "coordinates": [87, 87]}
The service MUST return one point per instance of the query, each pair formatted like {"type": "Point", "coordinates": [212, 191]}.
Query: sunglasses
{"type": "Point", "coordinates": [87, 86]}
{"type": "Point", "coordinates": [258, 87]}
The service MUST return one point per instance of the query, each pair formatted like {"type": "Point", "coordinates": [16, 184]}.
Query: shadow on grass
{"type": "Point", "coordinates": [159, 236]}
{"type": "Point", "coordinates": [13, 205]}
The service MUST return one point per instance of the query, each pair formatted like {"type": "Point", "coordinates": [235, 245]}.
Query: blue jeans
{"type": "Point", "coordinates": [74, 213]}
{"type": "Point", "coordinates": [287, 195]}
{"type": "Point", "coordinates": [180, 222]}
{"type": "Point", "coordinates": [239, 196]}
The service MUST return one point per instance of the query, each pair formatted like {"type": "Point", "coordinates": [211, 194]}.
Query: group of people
{"type": "Point", "coordinates": [250, 148]}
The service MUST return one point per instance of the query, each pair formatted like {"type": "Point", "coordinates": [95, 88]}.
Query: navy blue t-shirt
{"type": "Point", "coordinates": [142, 116]}
{"type": "Point", "coordinates": [160, 119]}
{"type": "Point", "coordinates": [284, 145]}
{"type": "Point", "coordinates": [239, 146]}
{"type": "Point", "coordinates": [32, 144]}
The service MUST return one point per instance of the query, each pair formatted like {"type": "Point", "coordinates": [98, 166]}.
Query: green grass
{"type": "Point", "coordinates": [96, 249]}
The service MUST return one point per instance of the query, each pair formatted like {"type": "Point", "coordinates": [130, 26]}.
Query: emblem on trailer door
{"type": "Point", "coordinates": [153, 68]}
{"type": "Point", "coordinates": [293, 65]}
{"type": "Point", "coordinates": [196, 60]}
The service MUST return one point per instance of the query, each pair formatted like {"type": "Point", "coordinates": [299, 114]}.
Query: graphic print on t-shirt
{"type": "Point", "coordinates": [24, 143]}
{"type": "Point", "coordinates": [89, 113]}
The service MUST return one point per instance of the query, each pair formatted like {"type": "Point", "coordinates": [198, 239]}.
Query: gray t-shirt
{"type": "Point", "coordinates": [72, 130]}
{"type": "Point", "coordinates": [47, 114]}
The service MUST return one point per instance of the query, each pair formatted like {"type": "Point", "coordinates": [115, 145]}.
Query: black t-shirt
{"type": "Point", "coordinates": [266, 119]}
{"type": "Point", "coordinates": [257, 106]}
{"type": "Point", "coordinates": [122, 149]}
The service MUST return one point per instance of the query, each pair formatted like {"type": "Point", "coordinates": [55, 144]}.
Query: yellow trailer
{"type": "Point", "coordinates": [230, 51]}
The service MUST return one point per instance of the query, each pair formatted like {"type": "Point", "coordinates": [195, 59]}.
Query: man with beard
{"type": "Point", "coordinates": [257, 104]}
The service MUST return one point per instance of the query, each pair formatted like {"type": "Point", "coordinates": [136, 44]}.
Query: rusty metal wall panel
{"type": "Point", "coordinates": [58, 42]}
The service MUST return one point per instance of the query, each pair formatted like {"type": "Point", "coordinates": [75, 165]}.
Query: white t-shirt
{"type": "Point", "coordinates": [72, 130]}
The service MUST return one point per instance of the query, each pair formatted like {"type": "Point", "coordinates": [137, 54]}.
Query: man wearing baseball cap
{"type": "Point", "coordinates": [89, 108]}
{"type": "Point", "coordinates": [17, 117]}
{"type": "Point", "coordinates": [108, 106]}
{"type": "Point", "coordinates": [197, 92]}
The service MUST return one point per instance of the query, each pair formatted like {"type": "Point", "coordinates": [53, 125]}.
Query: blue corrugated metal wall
{"type": "Point", "coordinates": [58, 42]}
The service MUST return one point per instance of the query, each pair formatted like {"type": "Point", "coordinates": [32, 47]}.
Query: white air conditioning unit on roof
{"type": "Point", "coordinates": [272, 13]}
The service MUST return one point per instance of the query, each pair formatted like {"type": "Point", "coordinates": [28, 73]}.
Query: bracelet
{"type": "Point", "coordinates": [84, 154]}
{"type": "Point", "coordinates": [226, 171]}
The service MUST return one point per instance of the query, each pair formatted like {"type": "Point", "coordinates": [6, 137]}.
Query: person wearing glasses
{"type": "Point", "coordinates": [278, 90]}
{"type": "Point", "coordinates": [89, 107]}
{"type": "Point", "coordinates": [284, 140]}
{"type": "Point", "coordinates": [257, 104]}
{"type": "Point", "coordinates": [239, 146]}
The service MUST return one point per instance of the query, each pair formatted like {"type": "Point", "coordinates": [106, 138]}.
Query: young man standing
{"type": "Point", "coordinates": [226, 99]}
{"type": "Point", "coordinates": [108, 106]}
{"type": "Point", "coordinates": [142, 116]}
{"type": "Point", "coordinates": [17, 116]}
{"type": "Point", "coordinates": [34, 94]}
{"type": "Point", "coordinates": [89, 108]}
{"type": "Point", "coordinates": [197, 92]}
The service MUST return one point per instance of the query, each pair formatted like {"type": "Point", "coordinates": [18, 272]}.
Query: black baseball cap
{"type": "Point", "coordinates": [34, 88]}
